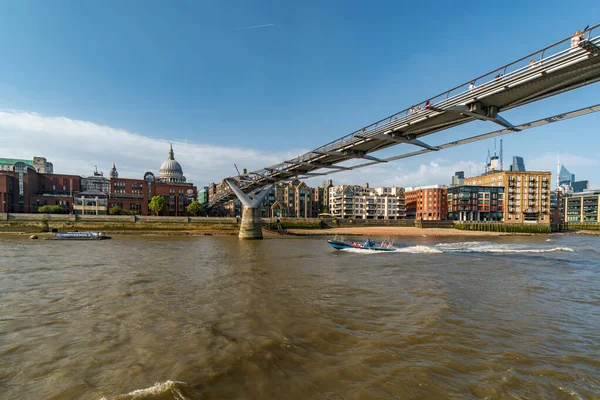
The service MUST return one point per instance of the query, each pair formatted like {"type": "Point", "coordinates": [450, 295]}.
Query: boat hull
{"type": "Point", "coordinates": [339, 245]}
{"type": "Point", "coordinates": [80, 236]}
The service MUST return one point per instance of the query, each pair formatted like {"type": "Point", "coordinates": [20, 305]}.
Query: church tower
{"type": "Point", "coordinates": [113, 172]}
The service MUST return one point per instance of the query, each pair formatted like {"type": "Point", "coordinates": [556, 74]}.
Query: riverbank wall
{"type": "Point", "coordinates": [34, 223]}
{"type": "Point", "coordinates": [113, 223]}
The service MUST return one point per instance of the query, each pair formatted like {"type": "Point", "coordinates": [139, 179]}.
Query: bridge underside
{"type": "Point", "coordinates": [483, 99]}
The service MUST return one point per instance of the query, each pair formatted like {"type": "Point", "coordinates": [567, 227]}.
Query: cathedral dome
{"type": "Point", "coordinates": [170, 170]}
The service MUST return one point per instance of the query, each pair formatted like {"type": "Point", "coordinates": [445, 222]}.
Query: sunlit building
{"type": "Point", "coordinates": [582, 207]}
{"type": "Point", "coordinates": [25, 186]}
{"type": "Point", "coordinates": [427, 203]}
{"type": "Point", "coordinates": [526, 194]}
{"type": "Point", "coordinates": [475, 203]}
{"type": "Point", "coordinates": [358, 202]}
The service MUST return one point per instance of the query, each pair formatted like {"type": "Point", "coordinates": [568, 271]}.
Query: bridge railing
{"type": "Point", "coordinates": [508, 75]}
{"type": "Point", "coordinates": [462, 89]}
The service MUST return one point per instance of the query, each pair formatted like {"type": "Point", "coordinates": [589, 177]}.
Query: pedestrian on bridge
{"type": "Point", "coordinates": [577, 37]}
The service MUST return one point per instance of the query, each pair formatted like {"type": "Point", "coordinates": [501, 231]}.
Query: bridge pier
{"type": "Point", "coordinates": [251, 224]}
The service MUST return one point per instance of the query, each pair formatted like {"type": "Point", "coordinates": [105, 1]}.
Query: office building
{"type": "Point", "coordinates": [518, 164]}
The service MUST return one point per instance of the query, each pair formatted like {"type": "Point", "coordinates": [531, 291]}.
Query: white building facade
{"type": "Point", "coordinates": [358, 202]}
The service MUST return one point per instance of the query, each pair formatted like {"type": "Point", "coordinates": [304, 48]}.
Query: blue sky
{"type": "Point", "coordinates": [87, 83]}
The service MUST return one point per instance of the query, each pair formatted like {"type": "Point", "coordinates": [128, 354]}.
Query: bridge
{"type": "Point", "coordinates": [555, 69]}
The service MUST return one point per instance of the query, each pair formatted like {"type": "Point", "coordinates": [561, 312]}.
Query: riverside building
{"type": "Point", "coordinates": [23, 189]}
{"type": "Point", "coordinates": [427, 203]}
{"type": "Point", "coordinates": [526, 194]}
{"type": "Point", "coordinates": [352, 201]}
{"type": "Point", "coordinates": [475, 203]}
{"type": "Point", "coordinates": [582, 207]}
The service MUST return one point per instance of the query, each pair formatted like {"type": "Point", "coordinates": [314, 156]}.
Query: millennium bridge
{"type": "Point", "coordinates": [563, 66]}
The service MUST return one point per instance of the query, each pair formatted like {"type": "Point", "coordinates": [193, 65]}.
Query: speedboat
{"type": "Point", "coordinates": [366, 245]}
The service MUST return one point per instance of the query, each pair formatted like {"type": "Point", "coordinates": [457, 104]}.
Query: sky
{"type": "Point", "coordinates": [254, 83]}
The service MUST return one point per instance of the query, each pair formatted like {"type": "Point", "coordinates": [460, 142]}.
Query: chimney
{"type": "Point", "coordinates": [367, 185]}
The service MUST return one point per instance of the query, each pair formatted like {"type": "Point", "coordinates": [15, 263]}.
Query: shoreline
{"type": "Point", "coordinates": [373, 231]}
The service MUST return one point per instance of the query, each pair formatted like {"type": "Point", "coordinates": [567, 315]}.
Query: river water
{"type": "Point", "coordinates": [289, 318]}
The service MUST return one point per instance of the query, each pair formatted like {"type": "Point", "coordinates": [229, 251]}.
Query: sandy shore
{"type": "Point", "coordinates": [392, 231]}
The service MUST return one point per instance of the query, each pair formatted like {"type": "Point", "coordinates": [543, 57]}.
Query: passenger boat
{"type": "Point", "coordinates": [80, 236]}
{"type": "Point", "coordinates": [362, 245]}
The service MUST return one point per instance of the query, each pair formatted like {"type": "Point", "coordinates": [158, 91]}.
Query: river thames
{"type": "Point", "coordinates": [287, 318]}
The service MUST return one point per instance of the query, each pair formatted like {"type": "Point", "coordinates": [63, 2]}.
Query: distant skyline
{"type": "Point", "coordinates": [256, 83]}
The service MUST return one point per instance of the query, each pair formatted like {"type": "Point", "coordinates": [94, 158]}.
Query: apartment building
{"type": "Point", "coordinates": [427, 203]}
{"type": "Point", "coordinates": [353, 201]}
{"type": "Point", "coordinates": [526, 194]}
{"type": "Point", "coordinates": [475, 203]}
{"type": "Point", "coordinates": [582, 207]}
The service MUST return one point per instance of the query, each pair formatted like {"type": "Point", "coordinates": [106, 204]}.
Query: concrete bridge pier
{"type": "Point", "coordinates": [251, 225]}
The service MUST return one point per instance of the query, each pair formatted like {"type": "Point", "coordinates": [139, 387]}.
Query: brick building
{"type": "Point", "coordinates": [23, 189]}
{"type": "Point", "coordinates": [526, 194]}
{"type": "Point", "coordinates": [427, 203]}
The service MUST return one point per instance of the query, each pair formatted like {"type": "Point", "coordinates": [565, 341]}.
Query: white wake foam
{"type": "Point", "coordinates": [419, 249]}
{"type": "Point", "coordinates": [490, 247]}
{"type": "Point", "coordinates": [157, 389]}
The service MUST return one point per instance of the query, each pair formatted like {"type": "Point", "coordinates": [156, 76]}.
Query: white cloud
{"type": "Point", "coordinates": [407, 173]}
{"type": "Point", "coordinates": [75, 146]}
{"type": "Point", "coordinates": [547, 162]}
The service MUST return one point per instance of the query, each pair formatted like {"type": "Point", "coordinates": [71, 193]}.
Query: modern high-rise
{"type": "Point", "coordinates": [567, 182]}
{"type": "Point", "coordinates": [518, 164]}
{"type": "Point", "coordinates": [526, 194]}
{"type": "Point", "coordinates": [459, 178]}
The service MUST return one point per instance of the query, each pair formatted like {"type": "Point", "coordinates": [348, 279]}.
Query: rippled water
{"type": "Point", "coordinates": [289, 318]}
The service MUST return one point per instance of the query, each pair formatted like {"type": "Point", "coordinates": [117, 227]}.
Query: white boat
{"type": "Point", "coordinates": [80, 236]}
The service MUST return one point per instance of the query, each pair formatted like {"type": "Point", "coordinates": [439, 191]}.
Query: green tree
{"type": "Point", "coordinates": [51, 210]}
{"type": "Point", "coordinates": [116, 210]}
{"type": "Point", "coordinates": [324, 210]}
{"type": "Point", "coordinates": [157, 205]}
{"type": "Point", "coordinates": [195, 208]}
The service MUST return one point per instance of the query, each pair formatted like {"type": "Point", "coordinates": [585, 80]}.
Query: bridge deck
{"type": "Point", "coordinates": [554, 69]}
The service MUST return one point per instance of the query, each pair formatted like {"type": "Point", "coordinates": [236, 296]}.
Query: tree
{"type": "Point", "coordinates": [157, 205]}
{"type": "Point", "coordinates": [116, 210]}
{"type": "Point", "coordinates": [51, 210]}
{"type": "Point", "coordinates": [195, 208]}
{"type": "Point", "coordinates": [324, 210]}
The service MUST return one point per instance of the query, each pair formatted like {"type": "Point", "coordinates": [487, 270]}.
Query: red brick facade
{"type": "Point", "coordinates": [132, 195]}
{"type": "Point", "coordinates": [429, 204]}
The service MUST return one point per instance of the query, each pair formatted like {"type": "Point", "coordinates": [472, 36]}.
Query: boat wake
{"type": "Point", "coordinates": [490, 247]}
{"type": "Point", "coordinates": [469, 247]}
{"type": "Point", "coordinates": [161, 390]}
